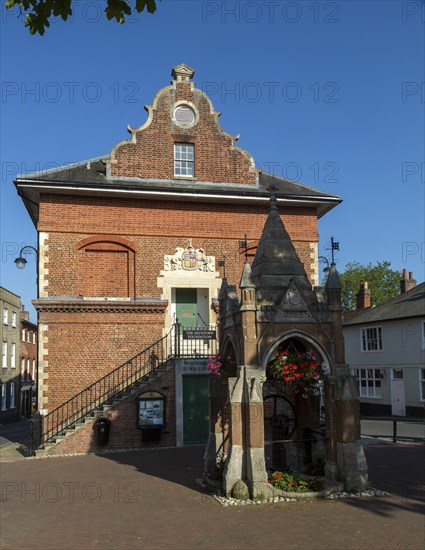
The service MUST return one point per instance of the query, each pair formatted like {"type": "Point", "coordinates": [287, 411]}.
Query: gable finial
{"type": "Point", "coordinates": [182, 72]}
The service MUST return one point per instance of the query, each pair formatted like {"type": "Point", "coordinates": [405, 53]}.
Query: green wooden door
{"type": "Point", "coordinates": [187, 307]}
{"type": "Point", "coordinates": [195, 409]}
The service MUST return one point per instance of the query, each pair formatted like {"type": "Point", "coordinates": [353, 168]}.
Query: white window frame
{"type": "Point", "coordinates": [29, 336]}
{"type": "Point", "coordinates": [23, 334]}
{"type": "Point", "coordinates": [23, 377]}
{"type": "Point", "coordinates": [367, 342]}
{"type": "Point", "coordinates": [5, 316]}
{"type": "Point", "coordinates": [4, 356]}
{"type": "Point", "coordinates": [184, 160]}
{"type": "Point", "coordinates": [13, 318]}
{"type": "Point", "coordinates": [3, 397]}
{"type": "Point", "coordinates": [34, 338]}
{"type": "Point", "coordinates": [369, 382]}
{"type": "Point", "coordinates": [12, 395]}
{"type": "Point", "coordinates": [421, 384]}
{"type": "Point", "coordinates": [33, 369]}
{"type": "Point", "coordinates": [28, 367]}
{"type": "Point", "coordinates": [13, 356]}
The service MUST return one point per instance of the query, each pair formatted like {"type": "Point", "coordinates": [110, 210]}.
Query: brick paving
{"type": "Point", "coordinates": [150, 499]}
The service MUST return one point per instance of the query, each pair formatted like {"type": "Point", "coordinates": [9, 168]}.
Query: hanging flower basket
{"type": "Point", "coordinates": [301, 369]}
{"type": "Point", "coordinates": [221, 366]}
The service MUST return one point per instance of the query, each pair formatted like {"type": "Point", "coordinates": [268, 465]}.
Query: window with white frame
{"type": "Point", "coordinates": [184, 160]}
{"type": "Point", "coordinates": [12, 395]}
{"type": "Point", "coordinates": [3, 397]}
{"type": "Point", "coordinates": [34, 337]}
{"type": "Point", "coordinates": [13, 356]}
{"type": "Point", "coordinates": [422, 383]}
{"type": "Point", "coordinates": [5, 316]}
{"type": "Point", "coordinates": [371, 339]}
{"type": "Point", "coordinates": [29, 336]}
{"type": "Point", "coordinates": [369, 382]}
{"type": "Point", "coordinates": [28, 367]}
{"type": "Point", "coordinates": [33, 369]}
{"type": "Point", "coordinates": [23, 334]}
{"type": "Point", "coordinates": [23, 369]}
{"type": "Point", "coordinates": [13, 318]}
{"type": "Point", "coordinates": [4, 356]}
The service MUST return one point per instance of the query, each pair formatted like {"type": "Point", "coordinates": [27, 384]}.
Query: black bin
{"type": "Point", "coordinates": [101, 429]}
{"type": "Point", "coordinates": [151, 434]}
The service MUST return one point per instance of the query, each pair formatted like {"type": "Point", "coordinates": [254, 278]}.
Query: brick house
{"type": "Point", "coordinates": [10, 305]}
{"type": "Point", "coordinates": [130, 243]}
{"type": "Point", "coordinates": [28, 357]}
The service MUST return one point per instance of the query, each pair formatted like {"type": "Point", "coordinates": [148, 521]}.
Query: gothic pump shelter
{"type": "Point", "coordinates": [278, 309]}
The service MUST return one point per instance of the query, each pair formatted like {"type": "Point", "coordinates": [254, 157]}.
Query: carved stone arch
{"type": "Point", "coordinates": [106, 267]}
{"type": "Point", "coordinates": [305, 338]}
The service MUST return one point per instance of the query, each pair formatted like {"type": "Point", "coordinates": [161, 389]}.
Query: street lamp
{"type": "Point", "coordinates": [327, 268]}
{"type": "Point", "coordinates": [21, 262]}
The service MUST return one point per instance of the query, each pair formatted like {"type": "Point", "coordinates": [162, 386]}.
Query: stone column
{"type": "Point", "coordinates": [351, 461]}
{"type": "Point", "coordinates": [256, 465]}
{"type": "Point", "coordinates": [331, 470]}
{"type": "Point", "coordinates": [215, 453]}
{"type": "Point", "coordinates": [234, 470]}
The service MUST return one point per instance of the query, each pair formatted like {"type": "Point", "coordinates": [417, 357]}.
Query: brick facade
{"type": "Point", "coordinates": [103, 287]}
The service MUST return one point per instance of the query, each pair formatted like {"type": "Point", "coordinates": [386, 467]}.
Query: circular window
{"type": "Point", "coordinates": [184, 115]}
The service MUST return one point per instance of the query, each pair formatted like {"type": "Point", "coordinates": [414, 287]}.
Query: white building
{"type": "Point", "coordinates": [385, 348]}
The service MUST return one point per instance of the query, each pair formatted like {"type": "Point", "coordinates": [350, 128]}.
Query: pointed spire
{"type": "Point", "coordinates": [276, 260]}
{"type": "Point", "coordinates": [246, 281]}
{"type": "Point", "coordinates": [333, 288]}
{"type": "Point", "coordinates": [333, 281]}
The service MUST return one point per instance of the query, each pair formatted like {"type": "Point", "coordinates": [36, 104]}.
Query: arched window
{"type": "Point", "coordinates": [106, 267]}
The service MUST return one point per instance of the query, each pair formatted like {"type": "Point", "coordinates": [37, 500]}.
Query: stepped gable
{"type": "Point", "coordinates": [181, 113]}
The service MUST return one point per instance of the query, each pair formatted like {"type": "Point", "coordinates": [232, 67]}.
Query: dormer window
{"type": "Point", "coordinates": [184, 160]}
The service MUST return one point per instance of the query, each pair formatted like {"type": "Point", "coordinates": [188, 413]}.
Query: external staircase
{"type": "Point", "coordinates": [110, 390]}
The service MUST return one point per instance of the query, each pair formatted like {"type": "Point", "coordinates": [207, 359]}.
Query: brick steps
{"type": "Point", "coordinates": [109, 404]}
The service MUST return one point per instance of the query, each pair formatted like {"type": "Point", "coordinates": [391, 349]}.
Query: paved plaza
{"type": "Point", "coordinates": [150, 499]}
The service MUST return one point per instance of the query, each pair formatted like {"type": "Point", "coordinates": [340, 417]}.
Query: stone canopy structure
{"type": "Point", "coordinates": [277, 306]}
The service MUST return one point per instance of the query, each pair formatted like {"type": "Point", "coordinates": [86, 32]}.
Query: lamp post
{"type": "Point", "coordinates": [21, 262]}
{"type": "Point", "coordinates": [327, 268]}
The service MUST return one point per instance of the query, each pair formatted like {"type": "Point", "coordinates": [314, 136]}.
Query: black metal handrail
{"type": "Point", "coordinates": [116, 382]}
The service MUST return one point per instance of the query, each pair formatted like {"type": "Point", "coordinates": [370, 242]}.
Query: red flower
{"type": "Point", "coordinates": [278, 475]}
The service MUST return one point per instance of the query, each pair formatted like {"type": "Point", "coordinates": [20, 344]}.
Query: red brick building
{"type": "Point", "coordinates": [135, 240]}
{"type": "Point", "coordinates": [28, 357]}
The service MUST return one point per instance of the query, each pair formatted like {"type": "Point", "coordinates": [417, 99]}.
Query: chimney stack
{"type": "Point", "coordinates": [407, 284]}
{"type": "Point", "coordinates": [363, 297]}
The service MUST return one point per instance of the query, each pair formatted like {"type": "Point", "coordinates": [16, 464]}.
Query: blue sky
{"type": "Point", "coordinates": [329, 93]}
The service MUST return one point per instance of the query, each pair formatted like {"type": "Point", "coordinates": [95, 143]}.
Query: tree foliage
{"type": "Point", "coordinates": [384, 283]}
{"type": "Point", "coordinates": [38, 13]}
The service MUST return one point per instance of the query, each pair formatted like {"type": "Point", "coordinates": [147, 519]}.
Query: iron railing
{"type": "Point", "coordinates": [114, 384]}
